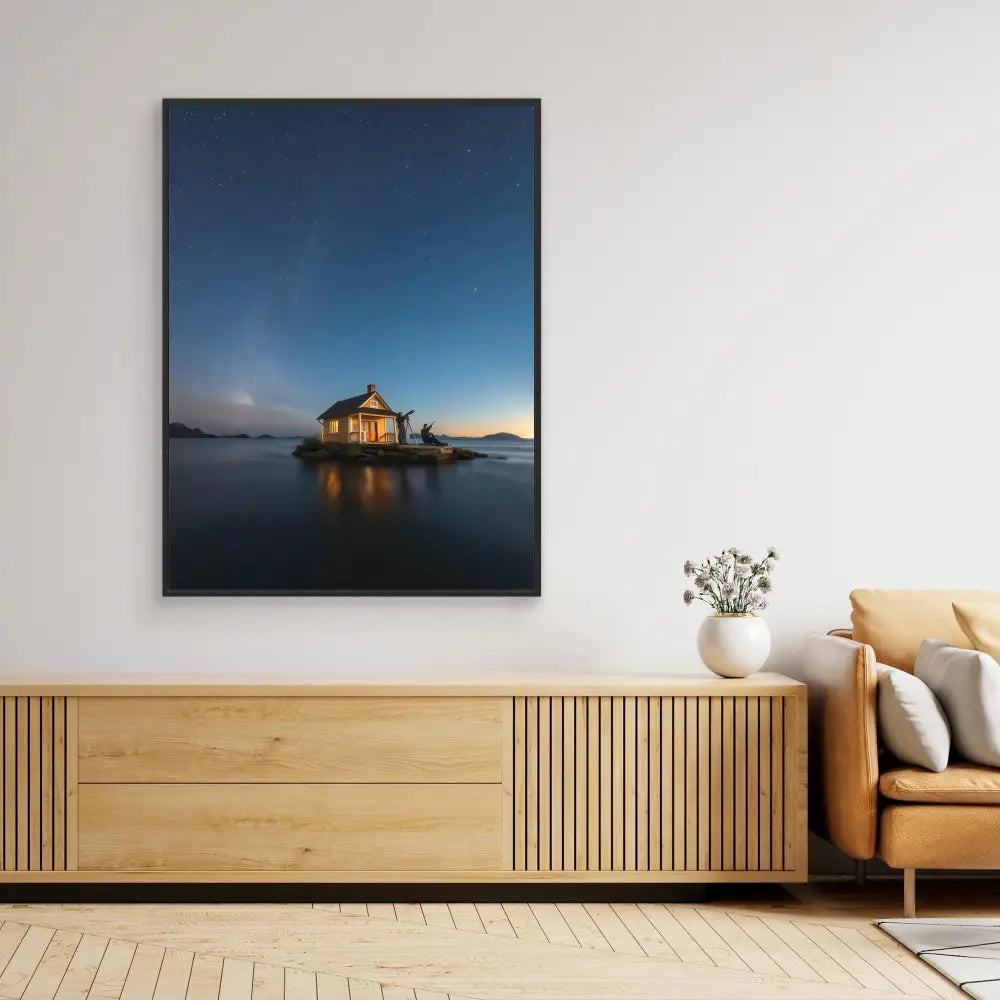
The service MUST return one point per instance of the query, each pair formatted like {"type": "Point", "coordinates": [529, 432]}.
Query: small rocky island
{"type": "Point", "coordinates": [314, 450]}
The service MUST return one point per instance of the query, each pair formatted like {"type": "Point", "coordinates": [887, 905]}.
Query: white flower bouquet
{"type": "Point", "coordinates": [732, 583]}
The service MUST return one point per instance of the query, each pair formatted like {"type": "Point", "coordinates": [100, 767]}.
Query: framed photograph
{"type": "Point", "coordinates": [351, 359]}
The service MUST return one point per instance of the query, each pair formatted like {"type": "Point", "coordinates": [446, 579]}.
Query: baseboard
{"type": "Point", "coordinates": [610, 892]}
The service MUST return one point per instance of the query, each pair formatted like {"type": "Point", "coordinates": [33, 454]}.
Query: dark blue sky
{"type": "Point", "coordinates": [317, 248]}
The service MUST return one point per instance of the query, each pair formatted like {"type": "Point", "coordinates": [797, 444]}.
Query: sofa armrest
{"type": "Point", "coordinates": [843, 742]}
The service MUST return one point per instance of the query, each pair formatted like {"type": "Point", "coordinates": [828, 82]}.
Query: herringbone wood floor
{"type": "Point", "coordinates": [820, 945]}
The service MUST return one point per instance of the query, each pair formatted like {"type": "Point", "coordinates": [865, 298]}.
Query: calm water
{"type": "Point", "coordinates": [246, 515]}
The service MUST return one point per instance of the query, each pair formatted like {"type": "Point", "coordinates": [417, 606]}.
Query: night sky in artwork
{"type": "Point", "coordinates": [317, 248]}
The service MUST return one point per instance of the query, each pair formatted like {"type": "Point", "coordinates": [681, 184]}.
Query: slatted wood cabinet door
{"type": "Point", "coordinates": [39, 798]}
{"type": "Point", "coordinates": [694, 788]}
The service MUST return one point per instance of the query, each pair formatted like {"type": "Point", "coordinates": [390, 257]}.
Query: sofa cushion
{"type": "Point", "coordinates": [960, 783]}
{"type": "Point", "coordinates": [980, 621]}
{"type": "Point", "coordinates": [967, 683]}
{"type": "Point", "coordinates": [895, 622]}
{"type": "Point", "coordinates": [911, 723]}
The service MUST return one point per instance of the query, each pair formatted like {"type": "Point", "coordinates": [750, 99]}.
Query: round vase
{"type": "Point", "coordinates": [732, 645]}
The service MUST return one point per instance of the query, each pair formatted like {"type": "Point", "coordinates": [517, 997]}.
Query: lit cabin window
{"type": "Point", "coordinates": [334, 426]}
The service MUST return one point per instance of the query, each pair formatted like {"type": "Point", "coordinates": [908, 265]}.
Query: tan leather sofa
{"type": "Point", "coordinates": [862, 801]}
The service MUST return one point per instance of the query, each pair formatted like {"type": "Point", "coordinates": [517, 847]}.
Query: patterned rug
{"type": "Point", "coordinates": [967, 951]}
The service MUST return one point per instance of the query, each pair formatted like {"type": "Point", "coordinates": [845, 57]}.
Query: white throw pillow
{"type": "Point", "coordinates": [911, 722]}
{"type": "Point", "coordinates": [967, 683]}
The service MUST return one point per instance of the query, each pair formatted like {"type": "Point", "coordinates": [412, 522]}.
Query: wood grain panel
{"type": "Point", "coordinates": [556, 758]}
{"type": "Point", "coordinates": [706, 784]}
{"type": "Point", "coordinates": [9, 784]}
{"type": "Point", "coordinates": [544, 784]}
{"type": "Point", "coordinates": [34, 790]}
{"type": "Point", "coordinates": [728, 792]}
{"type": "Point", "coordinates": [764, 784]}
{"type": "Point", "coordinates": [294, 827]}
{"type": "Point", "coordinates": [655, 799]}
{"type": "Point", "coordinates": [690, 808]}
{"type": "Point", "coordinates": [519, 769]}
{"type": "Point", "coordinates": [222, 740]}
{"type": "Point", "coordinates": [705, 768]}
{"type": "Point", "coordinates": [569, 781]}
{"type": "Point", "coordinates": [753, 783]}
{"type": "Point", "coordinates": [593, 783]}
{"type": "Point", "coordinates": [640, 784]}
{"type": "Point", "coordinates": [580, 768]}
{"type": "Point", "coordinates": [508, 754]}
{"type": "Point", "coordinates": [740, 785]}
{"type": "Point", "coordinates": [677, 785]}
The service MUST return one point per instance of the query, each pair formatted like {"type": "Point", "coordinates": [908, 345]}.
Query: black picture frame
{"type": "Point", "coordinates": [168, 590]}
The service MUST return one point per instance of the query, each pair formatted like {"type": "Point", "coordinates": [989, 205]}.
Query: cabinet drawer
{"type": "Point", "coordinates": [294, 827]}
{"type": "Point", "coordinates": [204, 739]}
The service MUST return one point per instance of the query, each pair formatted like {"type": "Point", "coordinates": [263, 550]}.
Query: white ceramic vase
{"type": "Point", "coordinates": [732, 645]}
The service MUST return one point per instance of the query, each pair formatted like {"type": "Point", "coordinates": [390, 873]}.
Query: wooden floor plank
{"type": "Point", "coordinates": [523, 921]}
{"type": "Point", "coordinates": [583, 927]}
{"type": "Point", "coordinates": [237, 979]}
{"type": "Point", "coordinates": [865, 974]}
{"type": "Point", "coordinates": [381, 911]}
{"type": "Point", "coordinates": [140, 983]}
{"type": "Point", "coordinates": [437, 915]}
{"type": "Point", "coordinates": [827, 968]}
{"type": "Point", "coordinates": [617, 934]}
{"type": "Point", "coordinates": [391, 992]}
{"type": "Point", "coordinates": [928, 975]}
{"type": "Point", "coordinates": [647, 936]}
{"type": "Point", "coordinates": [332, 987]}
{"type": "Point", "coordinates": [354, 909]}
{"type": "Point", "coordinates": [714, 946]}
{"type": "Point", "coordinates": [900, 977]}
{"type": "Point", "coordinates": [495, 919]}
{"type": "Point", "coordinates": [466, 918]}
{"type": "Point", "coordinates": [364, 989]}
{"type": "Point", "coordinates": [10, 937]}
{"type": "Point", "coordinates": [206, 978]}
{"type": "Point", "coordinates": [780, 951]}
{"type": "Point", "coordinates": [751, 953]}
{"type": "Point", "coordinates": [113, 971]}
{"type": "Point", "coordinates": [268, 981]}
{"type": "Point", "coordinates": [53, 966]}
{"type": "Point", "coordinates": [175, 973]}
{"type": "Point", "coordinates": [553, 924]}
{"type": "Point", "coordinates": [673, 932]}
{"type": "Point", "coordinates": [25, 960]}
{"type": "Point", "coordinates": [409, 913]}
{"type": "Point", "coordinates": [83, 968]}
{"type": "Point", "coordinates": [300, 984]}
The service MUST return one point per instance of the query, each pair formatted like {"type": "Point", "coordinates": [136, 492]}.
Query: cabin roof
{"type": "Point", "coordinates": [345, 407]}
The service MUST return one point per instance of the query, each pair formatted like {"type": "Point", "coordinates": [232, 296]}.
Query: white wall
{"type": "Point", "coordinates": [773, 222]}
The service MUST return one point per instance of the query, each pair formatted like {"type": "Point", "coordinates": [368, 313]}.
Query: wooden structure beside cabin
{"type": "Point", "coordinates": [363, 419]}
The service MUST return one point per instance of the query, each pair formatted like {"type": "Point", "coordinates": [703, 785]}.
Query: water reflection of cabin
{"type": "Point", "coordinates": [360, 419]}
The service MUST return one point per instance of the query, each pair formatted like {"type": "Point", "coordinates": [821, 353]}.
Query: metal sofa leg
{"type": "Point", "coordinates": [909, 892]}
{"type": "Point", "coordinates": [860, 871]}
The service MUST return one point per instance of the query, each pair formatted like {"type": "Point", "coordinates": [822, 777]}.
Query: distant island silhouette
{"type": "Point", "coordinates": [179, 430]}
{"type": "Point", "coordinates": [498, 436]}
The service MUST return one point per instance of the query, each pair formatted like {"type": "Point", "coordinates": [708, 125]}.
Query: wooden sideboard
{"type": "Point", "coordinates": [563, 779]}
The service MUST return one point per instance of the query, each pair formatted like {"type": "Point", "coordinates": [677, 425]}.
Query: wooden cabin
{"type": "Point", "coordinates": [363, 419]}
